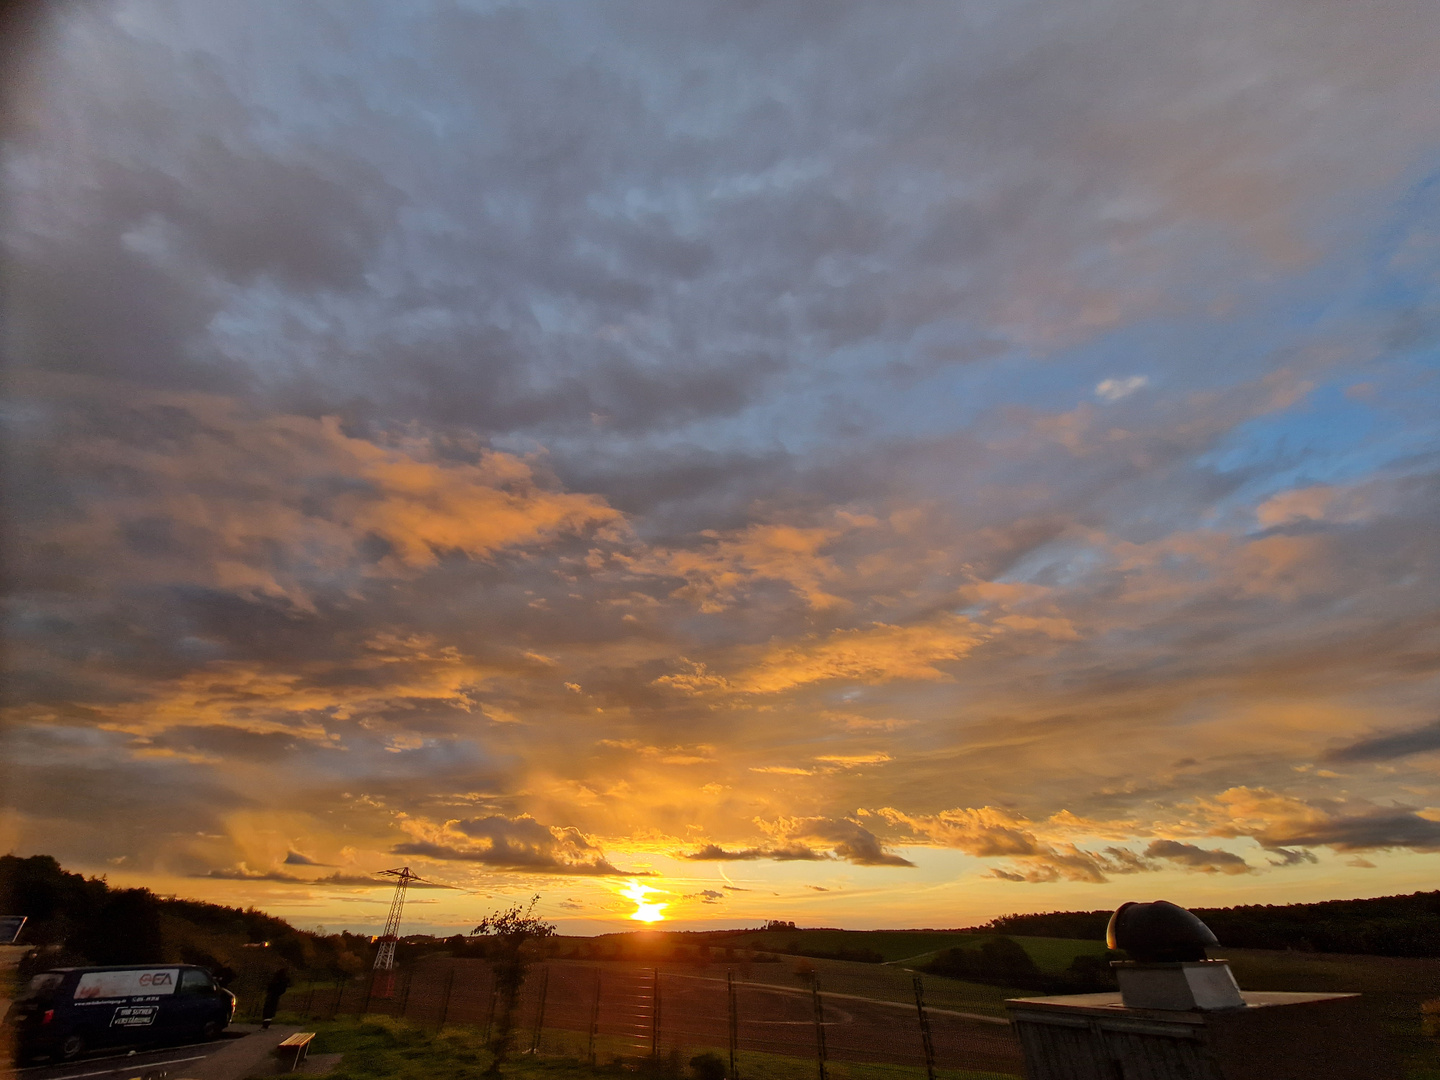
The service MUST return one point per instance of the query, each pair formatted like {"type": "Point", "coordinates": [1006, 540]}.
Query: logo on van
{"type": "Point", "coordinates": [157, 978]}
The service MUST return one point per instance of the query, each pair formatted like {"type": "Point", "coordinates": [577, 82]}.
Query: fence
{"type": "Point", "coordinates": [601, 1012]}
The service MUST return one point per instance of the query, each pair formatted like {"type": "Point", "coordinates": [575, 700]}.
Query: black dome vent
{"type": "Point", "coordinates": [1157, 933]}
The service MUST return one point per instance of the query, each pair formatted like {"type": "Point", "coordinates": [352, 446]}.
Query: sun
{"type": "Point", "coordinates": [646, 911]}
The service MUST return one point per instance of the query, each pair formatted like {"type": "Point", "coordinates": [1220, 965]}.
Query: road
{"type": "Point", "coordinates": [176, 1061]}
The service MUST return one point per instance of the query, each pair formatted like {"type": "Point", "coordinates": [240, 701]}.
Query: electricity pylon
{"type": "Point", "coordinates": [383, 977]}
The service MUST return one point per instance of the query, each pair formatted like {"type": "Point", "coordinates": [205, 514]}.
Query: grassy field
{"type": "Point", "coordinates": [378, 1048]}
{"type": "Point", "coordinates": [891, 944]}
{"type": "Point", "coordinates": [911, 947]}
{"type": "Point", "coordinates": [1051, 955]}
{"type": "Point", "coordinates": [1392, 988]}
{"type": "Point", "coordinates": [885, 983]}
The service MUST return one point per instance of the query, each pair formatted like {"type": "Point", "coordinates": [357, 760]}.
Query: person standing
{"type": "Point", "coordinates": [278, 984]}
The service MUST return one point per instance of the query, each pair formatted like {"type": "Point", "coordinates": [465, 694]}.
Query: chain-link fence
{"type": "Point", "coordinates": [605, 1011]}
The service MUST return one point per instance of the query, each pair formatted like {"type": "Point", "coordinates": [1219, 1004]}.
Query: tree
{"type": "Point", "coordinates": [126, 930]}
{"type": "Point", "coordinates": [511, 933]}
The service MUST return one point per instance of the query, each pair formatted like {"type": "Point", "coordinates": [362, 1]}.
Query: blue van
{"type": "Point", "coordinates": [67, 1011]}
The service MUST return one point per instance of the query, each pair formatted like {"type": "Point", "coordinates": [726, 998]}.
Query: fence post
{"type": "Point", "coordinates": [369, 989]}
{"type": "Point", "coordinates": [445, 1001]}
{"type": "Point", "coordinates": [594, 1019]}
{"type": "Point", "coordinates": [819, 1024]}
{"type": "Point", "coordinates": [734, 1025]}
{"type": "Point", "coordinates": [540, 1010]}
{"type": "Point", "coordinates": [924, 1028]}
{"type": "Point", "coordinates": [309, 1000]}
{"type": "Point", "coordinates": [339, 994]}
{"type": "Point", "coordinates": [405, 997]}
{"type": "Point", "coordinates": [655, 1013]}
{"type": "Point", "coordinates": [490, 1010]}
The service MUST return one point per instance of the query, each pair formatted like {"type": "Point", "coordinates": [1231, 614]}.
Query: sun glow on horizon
{"type": "Point", "coordinates": [646, 911]}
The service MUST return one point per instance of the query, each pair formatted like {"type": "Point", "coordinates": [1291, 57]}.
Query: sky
{"type": "Point", "coordinates": [862, 464]}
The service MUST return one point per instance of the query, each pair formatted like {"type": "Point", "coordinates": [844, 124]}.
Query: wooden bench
{"type": "Point", "coordinates": [294, 1049]}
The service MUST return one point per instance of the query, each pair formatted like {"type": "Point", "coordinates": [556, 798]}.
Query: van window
{"type": "Point", "coordinates": [195, 982]}
{"type": "Point", "coordinates": [46, 982]}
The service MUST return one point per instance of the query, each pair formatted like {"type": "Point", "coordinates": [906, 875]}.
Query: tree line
{"type": "Point", "coordinates": [1384, 926]}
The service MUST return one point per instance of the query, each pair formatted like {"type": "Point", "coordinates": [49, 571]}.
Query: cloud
{"type": "Point", "coordinates": [800, 842]}
{"type": "Point", "coordinates": [698, 679]}
{"type": "Point", "coordinates": [983, 832]}
{"type": "Point", "coordinates": [783, 853]}
{"type": "Point", "coordinates": [1420, 740]}
{"type": "Point", "coordinates": [1192, 857]}
{"type": "Point", "coordinates": [1362, 832]}
{"type": "Point", "coordinates": [672, 755]}
{"type": "Point", "coordinates": [852, 841]}
{"type": "Point", "coordinates": [988, 832]}
{"type": "Point", "coordinates": [1319, 503]}
{"type": "Point", "coordinates": [877, 654]}
{"type": "Point", "coordinates": [295, 858]}
{"type": "Point", "coordinates": [1279, 821]}
{"type": "Point", "coordinates": [244, 873]}
{"type": "Point", "coordinates": [716, 574]}
{"type": "Point", "coordinates": [851, 761]}
{"type": "Point", "coordinates": [1109, 390]}
{"type": "Point", "coordinates": [364, 881]}
{"type": "Point", "coordinates": [338, 879]}
{"type": "Point", "coordinates": [518, 844]}
{"type": "Point", "coordinates": [1292, 857]}
{"type": "Point", "coordinates": [290, 503]}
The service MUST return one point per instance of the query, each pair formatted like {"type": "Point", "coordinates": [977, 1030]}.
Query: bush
{"type": "Point", "coordinates": [1000, 962]}
{"type": "Point", "coordinates": [707, 1067]}
{"type": "Point", "coordinates": [1004, 962]}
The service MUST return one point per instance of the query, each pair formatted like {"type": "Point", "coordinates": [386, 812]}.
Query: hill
{"type": "Point", "coordinates": [73, 919]}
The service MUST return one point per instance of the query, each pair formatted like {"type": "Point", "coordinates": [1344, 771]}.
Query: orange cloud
{"type": "Point", "coordinates": [876, 654]}
{"type": "Point", "coordinates": [716, 572]}
{"type": "Point", "coordinates": [273, 504]}
{"type": "Point", "coordinates": [425, 507]}
{"type": "Point", "coordinates": [507, 843]}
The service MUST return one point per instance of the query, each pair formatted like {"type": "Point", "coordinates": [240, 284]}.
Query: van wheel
{"type": "Point", "coordinates": [71, 1047]}
{"type": "Point", "coordinates": [211, 1030]}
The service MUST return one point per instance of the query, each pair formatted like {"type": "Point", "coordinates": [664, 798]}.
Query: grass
{"type": "Point", "coordinates": [911, 947]}
{"type": "Point", "coordinates": [891, 944]}
{"type": "Point", "coordinates": [1392, 988]}
{"type": "Point", "coordinates": [885, 983]}
{"type": "Point", "coordinates": [379, 1048]}
{"type": "Point", "coordinates": [1051, 955]}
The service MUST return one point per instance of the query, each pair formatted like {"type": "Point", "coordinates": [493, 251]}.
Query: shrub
{"type": "Point", "coordinates": [707, 1067]}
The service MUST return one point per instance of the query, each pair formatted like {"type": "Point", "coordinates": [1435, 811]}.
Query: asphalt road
{"type": "Point", "coordinates": [175, 1061]}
